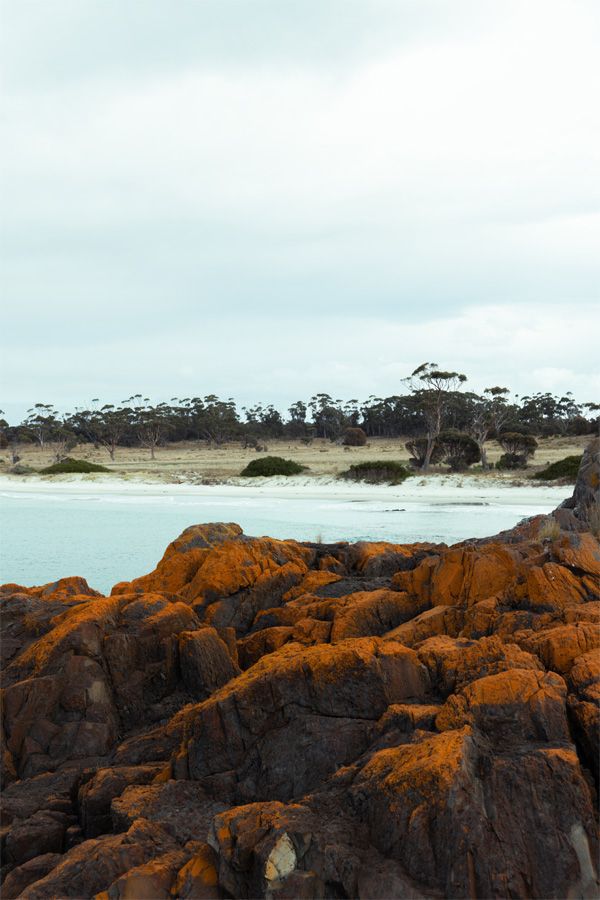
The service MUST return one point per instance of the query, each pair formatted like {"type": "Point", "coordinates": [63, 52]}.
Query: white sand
{"type": "Point", "coordinates": [455, 490]}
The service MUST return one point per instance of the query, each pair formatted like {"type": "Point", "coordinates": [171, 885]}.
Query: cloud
{"type": "Point", "coordinates": [231, 169]}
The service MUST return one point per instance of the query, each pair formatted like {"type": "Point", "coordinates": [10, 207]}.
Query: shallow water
{"type": "Point", "coordinates": [110, 537]}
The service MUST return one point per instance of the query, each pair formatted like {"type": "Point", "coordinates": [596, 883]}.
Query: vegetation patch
{"type": "Point", "coordinates": [19, 469]}
{"type": "Point", "coordinates": [72, 466]}
{"type": "Point", "coordinates": [566, 469]}
{"type": "Point", "coordinates": [354, 437]}
{"type": "Point", "coordinates": [271, 465]}
{"type": "Point", "coordinates": [377, 471]}
{"type": "Point", "coordinates": [459, 450]}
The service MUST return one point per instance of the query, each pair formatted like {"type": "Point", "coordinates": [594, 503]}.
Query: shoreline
{"type": "Point", "coordinates": [432, 490]}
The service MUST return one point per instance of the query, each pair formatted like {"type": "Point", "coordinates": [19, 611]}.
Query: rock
{"type": "Point", "coordinates": [28, 873]}
{"type": "Point", "coordinates": [181, 808]}
{"type": "Point", "coordinates": [96, 795]}
{"type": "Point", "coordinates": [411, 721]}
{"type": "Point", "coordinates": [514, 707]}
{"type": "Point", "coordinates": [42, 833]}
{"type": "Point", "coordinates": [95, 865]}
{"type": "Point", "coordinates": [198, 879]}
{"type": "Point", "coordinates": [297, 715]}
{"type": "Point", "coordinates": [206, 664]}
{"type": "Point", "coordinates": [586, 494]}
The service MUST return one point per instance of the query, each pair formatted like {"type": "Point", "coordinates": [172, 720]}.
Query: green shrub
{"type": "Point", "coordinates": [271, 465]}
{"type": "Point", "coordinates": [378, 471]}
{"type": "Point", "coordinates": [518, 449]}
{"type": "Point", "coordinates": [459, 450]}
{"type": "Point", "coordinates": [354, 437]}
{"type": "Point", "coordinates": [566, 468]}
{"type": "Point", "coordinates": [417, 447]}
{"type": "Point", "coordinates": [72, 466]}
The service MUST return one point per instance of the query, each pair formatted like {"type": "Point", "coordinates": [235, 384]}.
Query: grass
{"type": "Point", "coordinates": [565, 469]}
{"type": "Point", "coordinates": [549, 530]}
{"type": "Point", "coordinates": [271, 465]}
{"type": "Point", "coordinates": [377, 471]}
{"type": "Point", "coordinates": [72, 466]}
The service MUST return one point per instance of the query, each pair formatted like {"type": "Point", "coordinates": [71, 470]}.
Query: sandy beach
{"type": "Point", "coordinates": [456, 490]}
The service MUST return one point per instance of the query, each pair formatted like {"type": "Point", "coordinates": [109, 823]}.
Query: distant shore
{"type": "Point", "coordinates": [200, 464]}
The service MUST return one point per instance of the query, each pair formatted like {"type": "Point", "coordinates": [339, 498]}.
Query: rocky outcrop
{"type": "Point", "coordinates": [582, 510]}
{"type": "Point", "coordinates": [262, 718]}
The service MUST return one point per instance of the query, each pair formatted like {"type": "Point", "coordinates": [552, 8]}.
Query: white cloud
{"type": "Point", "coordinates": [382, 195]}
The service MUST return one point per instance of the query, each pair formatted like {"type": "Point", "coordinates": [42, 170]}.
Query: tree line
{"type": "Point", "coordinates": [435, 411]}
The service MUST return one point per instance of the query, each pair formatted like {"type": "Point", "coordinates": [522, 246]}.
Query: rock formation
{"type": "Point", "coordinates": [263, 718]}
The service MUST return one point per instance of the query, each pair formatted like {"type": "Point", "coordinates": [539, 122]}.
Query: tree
{"type": "Point", "coordinates": [150, 422]}
{"type": "Point", "coordinates": [490, 412]}
{"type": "Point", "coordinates": [518, 449]}
{"type": "Point", "coordinates": [418, 448]}
{"type": "Point", "coordinates": [42, 423]}
{"type": "Point", "coordinates": [327, 416]}
{"type": "Point", "coordinates": [457, 449]}
{"type": "Point", "coordinates": [434, 390]}
{"type": "Point", "coordinates": [104, 427]}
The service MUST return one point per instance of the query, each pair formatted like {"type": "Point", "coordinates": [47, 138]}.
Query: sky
{"type": "Point", "coordinates": [264, 199]}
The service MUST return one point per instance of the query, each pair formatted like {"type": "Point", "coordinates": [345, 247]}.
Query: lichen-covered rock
{"type": "Point", "coordinates": [262, 718]}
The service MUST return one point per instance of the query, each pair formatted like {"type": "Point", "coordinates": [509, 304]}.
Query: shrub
{"type": "Point", "coordinates": [72, 466]}
{"type": "Point", "coordinates": [271, 465]}
{"type": "Point", "coordinates": [458, 449]}
{"type": "Point", "coordinates": [566, 468]}
{"type": "Point", "coordinates": [549, 530]}
{"type": "Point", "coordinates": [518, 449]}
{"type": "Point", "coordinates": [354, 437]}
{"type": "Point", "coordinates": [417, 447]}
{"type": "Point", "coordinates": [511, 461]}
{"type": "Point", "coordinates": [377, 471]}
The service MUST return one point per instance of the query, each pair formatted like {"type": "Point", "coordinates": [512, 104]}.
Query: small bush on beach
{"type": "Point", "coordinates": [271, 465]}
{"type": "Point", "coordinates": [70, 466]}
{"type": "Point", "coordinates": [566, 468]}
{"type": "Point", "coordinates": [378, 471]}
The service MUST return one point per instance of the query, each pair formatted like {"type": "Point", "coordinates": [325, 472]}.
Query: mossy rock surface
{"type": "Point", "coordinates": [566, 469]}
{"type": "Point", "coordinates": [377, 471]}
{"type": "Point", "coordinates": [72, 466]}
{"type": "Point", "coordinates": [271, 465]}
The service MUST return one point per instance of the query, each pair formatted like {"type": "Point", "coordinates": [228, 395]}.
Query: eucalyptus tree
{"type": "Point", "coordinates": [489, 414]}
{"type": "Point", "coordinates": [104, 426]}
{"type": "Point", "coordinates": [150, 423]}
{"type": "Point", "coordinates": [327, 416]}
{"type": "Point", "coordinates": [434, 390]}
{"type": "Point", "coordinates": [42, 423]}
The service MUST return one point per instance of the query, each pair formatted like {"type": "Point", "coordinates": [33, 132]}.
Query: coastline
{"type": "Point", "coordinates": [433, 489]}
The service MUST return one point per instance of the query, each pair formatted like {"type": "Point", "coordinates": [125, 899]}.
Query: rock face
{"type": "Point", "coordinates": [262, 718]}
{"type": "Point", "coordinates": [582, 510]}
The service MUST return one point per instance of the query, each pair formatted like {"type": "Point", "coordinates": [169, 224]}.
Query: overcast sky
{"type": "Point", "coordinates": [268, 198]}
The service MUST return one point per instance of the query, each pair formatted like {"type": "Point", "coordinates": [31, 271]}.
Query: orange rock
{"type": "Point", "coordinates": [513, 706]}
{"type": "Point", "coordinates": [558, 648]}
{"type": "Point", "coordinates": [199, 877]}
{"type": "Point", "coordinates": [310, 583]}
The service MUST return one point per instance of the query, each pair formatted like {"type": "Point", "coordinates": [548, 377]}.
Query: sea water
{"type": "Point", "coordinates": [110, 537]}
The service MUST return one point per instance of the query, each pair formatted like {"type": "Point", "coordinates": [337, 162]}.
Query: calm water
{"type": "Point", "coordinates": [113, 538]}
